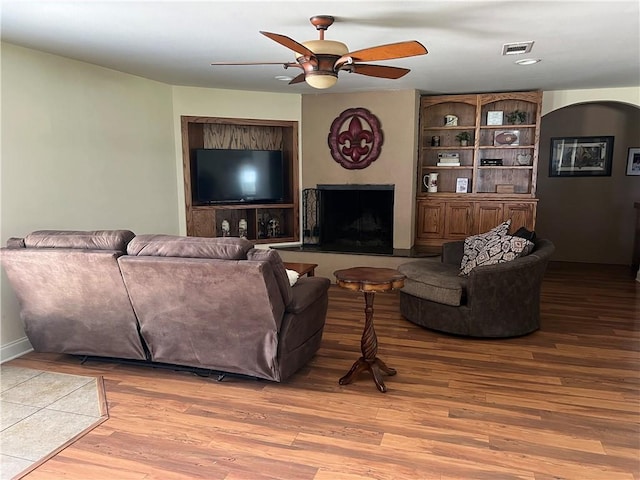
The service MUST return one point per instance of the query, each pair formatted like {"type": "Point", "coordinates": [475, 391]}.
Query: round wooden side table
{"type": "Point", "coordinates": [369, 280]}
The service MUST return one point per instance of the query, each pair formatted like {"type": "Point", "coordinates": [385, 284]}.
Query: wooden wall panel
{"type": "Point", "coordinates": [242, 137]}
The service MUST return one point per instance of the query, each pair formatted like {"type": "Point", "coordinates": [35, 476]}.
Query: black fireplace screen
{"type": "Point", "coordinates": [349, 218]}
{"type": "Point", "coordinates": [310, 216]}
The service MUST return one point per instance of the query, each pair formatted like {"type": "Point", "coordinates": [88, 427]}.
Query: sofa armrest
{"type": "Point", "coordinates": [452, 252]}
{"type": "Point", "coordinates": [505, 286]}
{"type": "Point", "coordinates": [306, 291]}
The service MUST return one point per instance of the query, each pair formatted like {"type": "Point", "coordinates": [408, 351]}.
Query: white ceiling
{"type": "Point", "coordinates": [581, 44]}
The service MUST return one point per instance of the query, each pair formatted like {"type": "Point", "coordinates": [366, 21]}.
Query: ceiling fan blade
{"type": "Point", "coordinates": [381, 71]}
{"type": "Point", "coordinates": [289, 43]}
{"type": "Point", "coordinates": [286, 65]}
{"type": "Point", "coordinates": [299, 79]}
{"type": "Point", "coordinates": [385, 52]}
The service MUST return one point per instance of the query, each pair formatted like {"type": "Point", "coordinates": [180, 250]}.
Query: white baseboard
{"type": "Point", "coordinates": [15, 349]}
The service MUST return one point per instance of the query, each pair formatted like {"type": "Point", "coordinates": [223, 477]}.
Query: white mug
{"type": "Point", "coordinates": [430, 181]}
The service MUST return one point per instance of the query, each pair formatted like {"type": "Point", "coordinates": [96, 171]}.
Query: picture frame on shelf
{"type": "Point", "coordinates": [506, 138]}
{"type": "Point", "coordinates": [462, 185]}
{"type": "Point", "coordinates": [581, 156]}
{"type": "Point", "coordinates": [633, 161]}
{"type": "Point", "coordinates": [495, 117]}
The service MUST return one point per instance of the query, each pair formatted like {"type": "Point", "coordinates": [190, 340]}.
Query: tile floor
{"type": "Point", "coordinates": [41, 411]}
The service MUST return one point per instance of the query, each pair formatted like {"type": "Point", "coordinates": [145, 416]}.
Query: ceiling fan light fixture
{"type": "Point", "coordinates": [321, 81]}
{"type": "Point", "coordinates": [326, 47]}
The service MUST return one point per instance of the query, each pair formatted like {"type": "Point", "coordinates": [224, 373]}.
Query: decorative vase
{"type": "Point", "coordinates": [262, 229]}
{"type": "Point", "coordinates": [242, 228]}
{"type": "Point", "coordinates": [273, 228]}
{"type": "Point", "coordinates": [430, 181]}
{"type": "Point", "coordinates": [226, 228]}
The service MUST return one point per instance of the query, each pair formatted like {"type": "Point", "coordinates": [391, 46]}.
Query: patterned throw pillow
{"type": "Point", "coordinates": [473, 245]}
{"type": "Point", "coordinates": [499, 250]}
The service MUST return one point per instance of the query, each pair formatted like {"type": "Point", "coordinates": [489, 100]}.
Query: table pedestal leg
{"type": "Point", "coordinates": [369, 347]}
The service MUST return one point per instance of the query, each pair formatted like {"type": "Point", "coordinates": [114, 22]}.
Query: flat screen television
{"type": "Point", "coordinates": [238, 176]}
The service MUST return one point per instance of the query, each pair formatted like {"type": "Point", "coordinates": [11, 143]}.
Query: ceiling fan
{"type": "Point", "coordinates": [321, 60]}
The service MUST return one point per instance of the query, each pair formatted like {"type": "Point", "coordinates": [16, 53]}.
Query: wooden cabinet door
{"type": "Point", "coordinates": [430, 219]}
{"type": "Point", "coordinates": [458, 219]}
{"type": "Point", "coordinates": [203, 223]}
{"type": "Point", "coordinates": [521, 214]}
{"type": "Point", "coordinates": [487, 215]}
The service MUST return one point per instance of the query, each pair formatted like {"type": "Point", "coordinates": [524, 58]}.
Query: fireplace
{"type": "Point", "coordinates": [352, 218]}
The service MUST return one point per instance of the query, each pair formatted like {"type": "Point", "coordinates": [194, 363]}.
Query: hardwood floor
{"type": "Point", "coordinates": [561, 403]}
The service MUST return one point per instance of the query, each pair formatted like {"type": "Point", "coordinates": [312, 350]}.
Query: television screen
{"type": "Point", "coordinates": [234, 176]}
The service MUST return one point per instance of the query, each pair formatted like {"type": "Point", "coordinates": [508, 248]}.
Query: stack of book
{"type": "Point", "coordinates": [448, 160]}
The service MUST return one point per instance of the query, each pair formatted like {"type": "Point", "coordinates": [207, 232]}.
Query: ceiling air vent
{"type": "Point", "coordinates": [516, 48]}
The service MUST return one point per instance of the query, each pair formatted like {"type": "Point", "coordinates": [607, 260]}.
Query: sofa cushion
{"type": "Point", "coordinates": [90, 240]}
{"type": "Point", "coordinates": [227, 248]}
{"type": "Point", "coordinates": [474, 244]}
{"type": "Point", "coordinates": [434, 281]}
{"type": "Point", "coordinates": [273, 257]}
{"type": "Point", "coordinates": [499, 250]}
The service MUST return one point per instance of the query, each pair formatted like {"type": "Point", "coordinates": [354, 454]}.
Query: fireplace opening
{"type": "Point", "coordinates": [356, 218]}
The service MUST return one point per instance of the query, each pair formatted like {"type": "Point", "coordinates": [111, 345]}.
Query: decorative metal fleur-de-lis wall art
{"type": "Point", "coordinates": [355, 138]}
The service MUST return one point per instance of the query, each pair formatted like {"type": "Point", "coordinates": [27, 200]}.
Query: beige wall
{"type": "Point", "coordinates": [211, 102]}
{"type": "Point", "coordinates": [554, 100]}
{"type": "Point", "coordinates": [398, 115]}
{"type": "Point", "coordinates": [83, 147]}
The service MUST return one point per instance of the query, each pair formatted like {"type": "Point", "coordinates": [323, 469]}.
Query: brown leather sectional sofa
{"type": "Point", "coordinates": [208, 303]}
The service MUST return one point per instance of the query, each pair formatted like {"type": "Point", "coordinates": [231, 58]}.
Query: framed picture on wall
{"type": "Point", "coordinates": [581, 156]}
{"type": "Point", "coordinates": [633, 161]}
